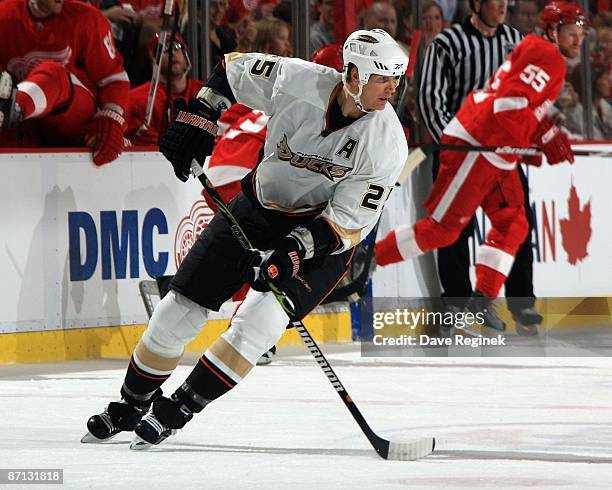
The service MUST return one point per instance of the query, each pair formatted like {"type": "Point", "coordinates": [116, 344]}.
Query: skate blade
{"type": "Point", "coordinates": [89, 438]}
{"type": "Point", "coordinates": [139, 444]}
{"type": "Point", "coordinates": [264, 361]}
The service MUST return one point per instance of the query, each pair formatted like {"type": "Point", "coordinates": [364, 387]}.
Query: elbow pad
{"type": "Point", "coordinates": [217, 93]}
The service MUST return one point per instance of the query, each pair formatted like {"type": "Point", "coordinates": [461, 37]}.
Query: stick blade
{"type": "Point", "coordinates": [411, 451]}
{"type": "Point", "coordinates": [414, 159]}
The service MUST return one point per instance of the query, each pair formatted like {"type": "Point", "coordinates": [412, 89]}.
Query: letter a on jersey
{"type": "Point", "coordinates": [347, 149]}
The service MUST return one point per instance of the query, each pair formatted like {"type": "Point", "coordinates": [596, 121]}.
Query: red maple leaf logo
{"type": "Point", "coordinates": [576, 229]}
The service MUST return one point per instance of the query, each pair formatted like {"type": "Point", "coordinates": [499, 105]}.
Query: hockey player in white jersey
{"type": "Point", "coordinates": [334, 150]}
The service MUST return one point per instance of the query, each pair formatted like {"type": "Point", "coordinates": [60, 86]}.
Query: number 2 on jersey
{"type": "Point", "coordinates": [535, 76]}
{"type": "Point", "coordinates": [374, 196]}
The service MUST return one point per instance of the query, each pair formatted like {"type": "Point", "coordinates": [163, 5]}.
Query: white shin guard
{"type": "Point", "coordinates": [176, 321]}
{"type": "Point", "coordinates": [257, 325]}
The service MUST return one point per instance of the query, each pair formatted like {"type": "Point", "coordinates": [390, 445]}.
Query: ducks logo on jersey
{"type": "Point", "coordinates": [317, 165]}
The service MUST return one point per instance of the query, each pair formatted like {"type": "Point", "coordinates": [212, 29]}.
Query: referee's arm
{"type": "Point", "coordinates": [433, 98]}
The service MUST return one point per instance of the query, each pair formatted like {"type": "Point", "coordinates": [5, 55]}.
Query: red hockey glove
{"type": "Point", "coordinates": [274, 266]}
{"type": "Point", "coordinates": [553, 142]}
{"type": "Point", "coordinates": [105, 135]}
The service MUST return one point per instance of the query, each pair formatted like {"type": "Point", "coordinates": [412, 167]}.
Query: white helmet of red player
{"type": "Point", "coordinates": [373, 52]}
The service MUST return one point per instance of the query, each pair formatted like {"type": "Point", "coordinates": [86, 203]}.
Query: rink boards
{"type": "Point", "coordinates": [77, 239]}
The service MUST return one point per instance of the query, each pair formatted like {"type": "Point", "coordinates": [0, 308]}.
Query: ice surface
{"type": "Point", "coordinates": [500, 423]}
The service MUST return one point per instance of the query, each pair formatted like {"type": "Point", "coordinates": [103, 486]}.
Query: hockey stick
{"type": "Point", "coordinates": [401, 451]}
{"type": "Point", "coordinates": [505, 150]}
{"type": "Point", "coordinates": [161, 45]}
{"type": "Point", "coordinates": [419, 154]}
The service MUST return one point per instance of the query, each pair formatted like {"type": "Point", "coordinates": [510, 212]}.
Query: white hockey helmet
{"type": "Point", "coordinates": [373, 52]}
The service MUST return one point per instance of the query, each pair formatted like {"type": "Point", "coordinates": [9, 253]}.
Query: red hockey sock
{"type": "Point", "coordinates": [489, 281]}
{"type": "Point", "coordinates": [387, 251]}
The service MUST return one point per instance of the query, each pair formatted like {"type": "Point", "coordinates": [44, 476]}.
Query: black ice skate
{"type": "Point", "coordinates": [267, 357]}
{"type": "Point", "coordinates": [479, 303]}
{"type": "Point", "coordinates": [117, 417]}
{"type": "Point", "coordinates": [10, 115]}
{"type": "Point", "coordinates": [166, 417]}
{"type": "Point", "coordinates": [527, 321]}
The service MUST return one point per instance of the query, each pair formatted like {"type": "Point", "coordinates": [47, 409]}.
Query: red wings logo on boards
{"type": "Point", "coordinates": [576, 228]}
{"type": "Point", "coordinates": [190, 228]}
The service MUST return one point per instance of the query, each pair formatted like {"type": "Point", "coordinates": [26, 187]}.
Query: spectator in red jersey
{"type": "Point", "coordinates": [180, 86]}
{"type": "Point", "coordinates": [63, 74]}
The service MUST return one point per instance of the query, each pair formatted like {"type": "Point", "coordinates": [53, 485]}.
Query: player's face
{"type": "Point", "coordinates": [570, 39]}
{"type": "Point", "coordinates": [49, 7]}
{"type": "Point", "coordinates": [179, 62]}
{"type": "Point", "coordinates": [378, 91]}
{"type": "Point", "coordinates": [494, 11]}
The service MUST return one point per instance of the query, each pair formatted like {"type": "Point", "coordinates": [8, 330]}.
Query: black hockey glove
{"type": "Point", "coordinates": [274, 266]}
{"type": "Point", "coordinates": [191, 135]}
{"type": "Point", "coordinates": [313, 240]}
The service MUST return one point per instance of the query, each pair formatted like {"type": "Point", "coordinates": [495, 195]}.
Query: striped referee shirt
{"type": "Point", "coordinates": [458, 60]}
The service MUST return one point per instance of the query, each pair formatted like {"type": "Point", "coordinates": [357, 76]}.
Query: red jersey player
{"type": "Point", "coordinates": [62, 70]}
{"type": "Point", "coordinates": [510, 111]}
{"type": "Point", "coordinates": [180, 85]}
